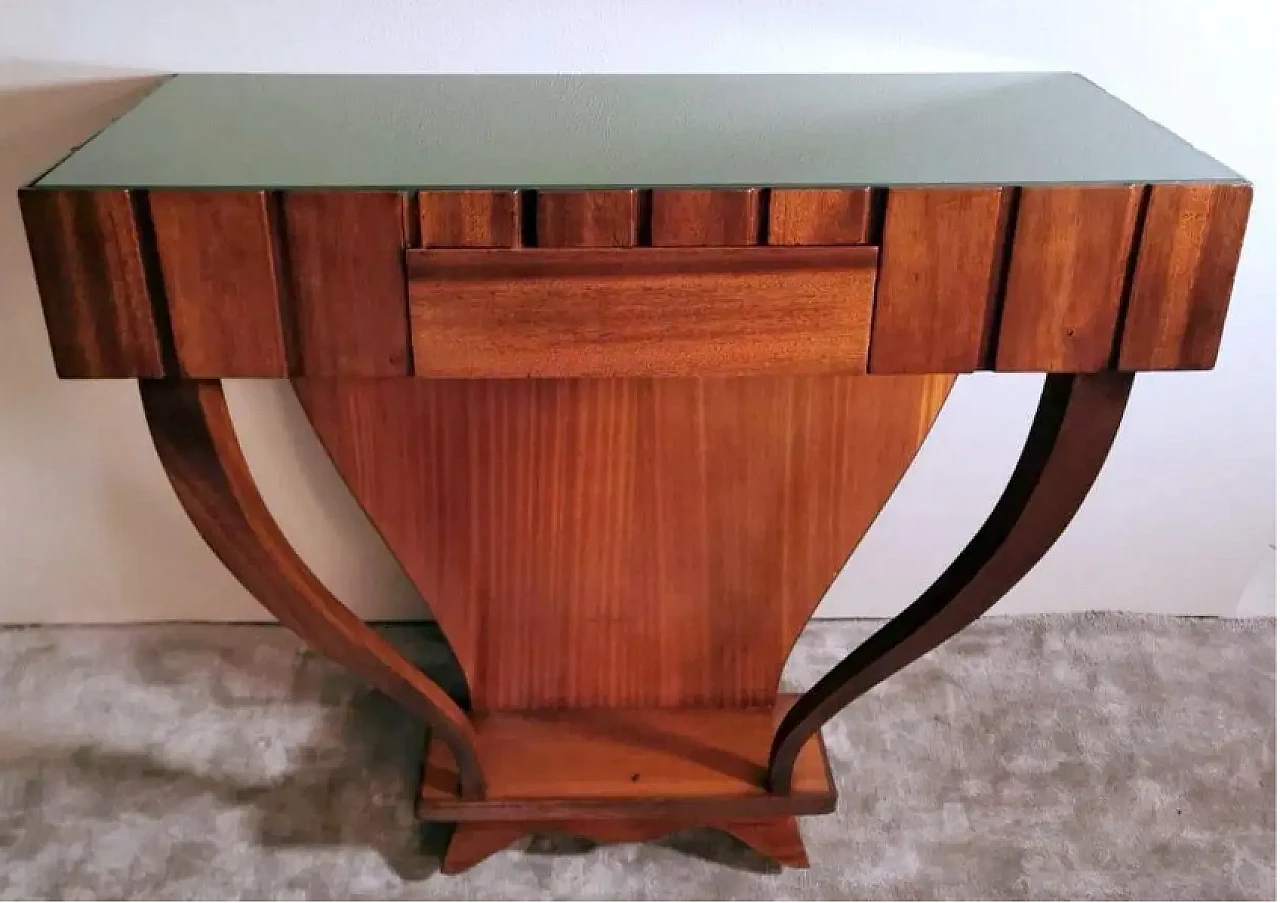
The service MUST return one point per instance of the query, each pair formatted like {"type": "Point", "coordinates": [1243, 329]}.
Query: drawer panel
{"type": "Point", "coordinates": [640, 311]}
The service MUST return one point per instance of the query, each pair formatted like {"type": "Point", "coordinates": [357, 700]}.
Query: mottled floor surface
{"type": "Point", "coordinates": [1064, 757]}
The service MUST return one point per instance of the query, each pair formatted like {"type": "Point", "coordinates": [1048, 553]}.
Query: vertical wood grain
{"type": "Point", "coordinates": [89, 268]}
{"type": "Point", "coordinates": [469, 219]}
{"type": "Point", "coordinates": [588, 219]}
{"type": "Point", "coordinates": [222, 276]}
{"type": "Point", "coordinates": [1191, 240]}
{"type": "Point", "coordinates": [347, 281]}
{"type": "Point", "coordinates": [705, 218]}
{"type": "Point", "coordinates": [623, 542]}
{"type": "Point", "coordinates": [1066, 278]}
{"type": "Point", "coordinates": [819, 216]}
{"type": "Point", "coordinates": [940, 260]}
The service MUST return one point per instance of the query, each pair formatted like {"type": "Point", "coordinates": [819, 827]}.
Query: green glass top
{"type": "Point", "coordinates": [596, 131]}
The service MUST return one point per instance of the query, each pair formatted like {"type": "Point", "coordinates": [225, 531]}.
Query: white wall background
{"type": "Point", "coordinates": [1181, 521]}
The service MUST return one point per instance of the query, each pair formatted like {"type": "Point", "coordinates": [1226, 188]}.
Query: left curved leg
{"type": "Point", "coordinates": [1073, 429]}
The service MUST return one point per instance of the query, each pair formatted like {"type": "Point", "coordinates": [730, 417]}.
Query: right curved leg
{"type": "Point", "coordinates": [196, 440]}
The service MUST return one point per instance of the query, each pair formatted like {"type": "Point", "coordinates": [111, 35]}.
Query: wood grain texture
{"type": "Point", "coordinates": [683, 218]}
{"type": "Point", "coordinates": [347, 282]}
{"type": "Point", "coordinates": [588, 219]}
{"type": "Point", "coordinates": [1186, 266]}
{"type": "Point", "coordinates": [197, 444]}
{"type": "Point", "coordinates": [469, 219]}
{"type": "Point", "coordinates": [940, 260]}
{"type": "Point", "coordinates": [623, 542]}
{"type": "Point", "coordinates": [1066, 278]}
{"type": "Point", "coordinates": [472, 842]}
{"type": "Point", "coordinates": [223, 279]}
{"type": "Point", "coordinates": [819, 216]}
{"type": "Point", "coordinates": [640, 312]}
{"type": "Point", "coordinates": [89, 270]}
{"type": "Point", "coordinates": [1074, 427]}
{"type": "Point", "coordinates": [652, 763]}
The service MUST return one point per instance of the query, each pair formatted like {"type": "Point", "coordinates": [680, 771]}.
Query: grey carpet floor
{"type": "Point", "coordinates": [1055, 757]}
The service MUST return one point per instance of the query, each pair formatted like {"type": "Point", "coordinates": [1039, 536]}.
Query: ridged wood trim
{"type": "Point", "coordinates": [347, 281]}
{"type": "Point", "coordinates": [223, 278]}
{"type": "Point", "coordinates": [819, 216]}
{"type": "Point", "coordinates": [940, 261]}
{"type": "Point", "coordinates": [588, 219]}
{"type": "Point", "coordinates": [469, 219]}
{"type": "Point", "coordinates": [195, 438]}
{"type": "Point", "coordinates": [1069, 259]}
{"type": "Point", "coordinates": [1186, 266]}
{"type": "Point", "coordinates": [696, 218]}
{"type": "Point", "coordinates": [640, 312]}
{"type": "Point", "coordinates": [90, 272]}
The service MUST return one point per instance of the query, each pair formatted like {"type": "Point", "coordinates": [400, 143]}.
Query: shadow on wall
{"type": "Point", "coordinates": [92, 531]}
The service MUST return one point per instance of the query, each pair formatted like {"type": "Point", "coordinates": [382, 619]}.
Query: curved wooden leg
{"type": "Point", "coordinates": [472, 842]}
{"type": "Point", "coordinates": [1073, 429]}
{"type": "Point", "coordinates": [194, 435]}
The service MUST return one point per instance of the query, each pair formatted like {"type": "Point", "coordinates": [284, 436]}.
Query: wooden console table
{"type": "Point", "coordinates": [622, 369]}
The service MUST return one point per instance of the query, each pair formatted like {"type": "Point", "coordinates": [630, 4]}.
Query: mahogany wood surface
{"type": "Point", "coordinates": [819, 216]}
{"type": "Point", "coordinates": [469, 219]}
{"type": "Point", "coordinates": [939, 279]}
{"type": "Point", "coordinates": [307, 282]}
{"type": "Point", "coordinates": [88, 258]}
{"type": "Point", "coordinates": [220, 258]}
{"type": "Point", "coordinates": [666, 538]}
{"type": "Point", "coordinates": [705, 218]}
{"type": "Point", "coordinates": [640, 312]}
{"type": "Point", "coordinates": [197, 444]}
{"type": "Point", "coordinates": [777, 838]}
{"type": "Point", "coordinates": [1066, 282]}
{"type": "Point", "coordinates": [346, 282]}
{"type": "Point", "coordinates": [588, 219]}
{"type": "Point", "coordinates": [1072, 432]}
{"type": "Point", "coordinates": [1191, 240]}
{"type": "Point", "coordinates": [617, 762]}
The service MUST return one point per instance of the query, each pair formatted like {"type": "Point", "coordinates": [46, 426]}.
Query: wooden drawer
{"type": "Point", "coordinates": [640, 311]}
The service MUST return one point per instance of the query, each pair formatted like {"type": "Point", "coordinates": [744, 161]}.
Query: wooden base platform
{"type": "Point", "coordinates": [700, 765]}
{"type": "Point", "coordinates": [472, 842]}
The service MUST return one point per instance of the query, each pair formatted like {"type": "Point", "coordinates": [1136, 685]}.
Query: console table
{"type": "Point", "coordinates": [622, 369]}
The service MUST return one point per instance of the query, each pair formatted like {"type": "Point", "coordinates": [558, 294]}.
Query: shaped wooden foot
{"type": "Point", "coordinates": [472, 842]}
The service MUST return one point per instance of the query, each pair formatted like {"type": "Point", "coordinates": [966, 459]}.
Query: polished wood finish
{"type": "Point", "coordinates": [620, 762]}
{"type": "Point", "coordinates": [88, 258]}
{"type": "Point", "coordinates": [705, 218]}
{"type": "Point", "coordinates": [1191, 240]}
{"type": "Point", "coordinates": [819, 216]}
{"type": "Point", "coordinates": [1074, 427]}
{"type": "Point", "coordinates": [1066, 278]}
{"type": "Point", "coordinates": [221, 261]}
{"type": "Point", "coordinates": [677, 571]}
{"type": "Point", "coordinates": [197, 444]}
{"type": "Point", "coordinates": [469, 219]}
{"type": "Point", "coordinates": [588, 219]}
{"type": "Point", "coordinates": [472, 842]}
{"type": "Point", "coordinates": [640, 312]}
{"type": "Point", "coordinates": [939, 277]}
{"type": "Point", "coordinates": [347, 285]}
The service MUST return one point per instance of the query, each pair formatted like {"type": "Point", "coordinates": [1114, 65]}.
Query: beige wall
{"type": "Point", "coordinates": [1182, 519]}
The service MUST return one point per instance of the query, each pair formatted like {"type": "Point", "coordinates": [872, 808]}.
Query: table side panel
{"type": "Point", "coordinates": [1191, 241]}
{"type": "Point", "coordinates": [87, 251]}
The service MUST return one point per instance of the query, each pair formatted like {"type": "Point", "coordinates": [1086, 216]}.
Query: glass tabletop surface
{"type": "Point", "coordinates": [600, 131]}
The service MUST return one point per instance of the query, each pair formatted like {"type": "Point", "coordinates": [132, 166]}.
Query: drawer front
{"type": "Point", "coordinates": [640, 311]}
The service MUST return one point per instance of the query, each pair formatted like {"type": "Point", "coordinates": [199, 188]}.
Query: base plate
{"type": "Point", "coordinates": [653, 763]}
